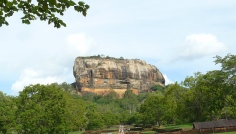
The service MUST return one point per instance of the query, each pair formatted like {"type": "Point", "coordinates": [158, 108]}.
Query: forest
{"type": "Point", "coordinates": [57, 108]}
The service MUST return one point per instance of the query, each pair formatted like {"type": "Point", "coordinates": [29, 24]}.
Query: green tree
{"type": "Point", "coordinates": [194, 102]}
{"type": "Point", "coordinates": [153, 110]}
{"type": "Point", "coordinates": [45, 10]}
{"type": "Point", "coordinates": [95, 120]}
{"type": "Point", "coordinates": [7, 113]}
{"type": "Point", "coordinates": [228, 78]}
{"type": "Point", "coordinates": [228, 67]}
{"type": "Point", "coordinates": [130, 101]}
{"type": "Point", "coordinates": [111, 97]}
{"type": "Point", "coordinates": [110, 118]}
{"type": "Point", "coordinates": [157, 87]}
{"type": "Point", "coordinates": [209, 95]}
{"type": "Point", "coordinates": [41, 109]}
{"type": "Point", "coordinates": [75, 113]}
{"type": "Point", "coordinates": [66, 87]}
{"type": "Point", "coordinates": [142, 96]}
{"type": "Point", "coordinates": [174, 97]}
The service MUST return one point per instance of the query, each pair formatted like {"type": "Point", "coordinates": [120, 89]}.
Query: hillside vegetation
{"type": "Point", "coordinates": [57, 108]}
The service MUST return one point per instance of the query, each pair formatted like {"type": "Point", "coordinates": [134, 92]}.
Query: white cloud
{"type": "Point", "coordinates": [200, 45]}
{"type": "Point", "coordinates": [54, 66]}
{"type": "Point", "coordinates": [167, 80]}
{"type": "Point", "coordinates": [31, 76]}
{"type": "Point", "coordinates": [79, 44]}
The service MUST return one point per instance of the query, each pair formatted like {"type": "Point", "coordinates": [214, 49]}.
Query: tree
{"type": "Point", "coordinates": [75, 113]}
{"type": "Point", "coordinates": [95, 120]}
{"type": "Point", "coordinates": [174, 97]}
{"type": "Point", "coordinates": [7, 113]}
{"type": "Point", "coordinates": [41, 109]}
{"type": "Point", "coordinates": [45, 10]}
{"type": "Point", "coordinates": [130, 101]}
{"type": "Point", "coordinates": [110, 118]}
{"type": "Point", "coordinates": [142, 96]}
{"type": "Point", "coordinates": [228, 67]}
{"type": "Point", "coordinates": [210, 96]}
{"type": "Point", "coordinates": [66, 87]}
{"type": "Point", "coordinates": [157, 87]}
{"type": "Point", "coordinates": [154, 109]}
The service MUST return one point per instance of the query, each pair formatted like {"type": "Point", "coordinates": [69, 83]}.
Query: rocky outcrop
{"type": "Point", "coordinates": [94, 73]}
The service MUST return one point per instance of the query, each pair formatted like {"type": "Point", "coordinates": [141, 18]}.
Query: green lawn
{"type": "Point", "coordinates": [182, 126]}
{"type": "Point", "coordinates": [76, 132]}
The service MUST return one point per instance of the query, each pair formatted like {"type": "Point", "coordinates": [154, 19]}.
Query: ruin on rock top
{"type": "Point", "coordinates": [101, 74]}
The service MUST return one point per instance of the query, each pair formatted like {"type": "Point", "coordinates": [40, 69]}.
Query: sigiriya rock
{"type": "Point", "coordinates": [100, 74]}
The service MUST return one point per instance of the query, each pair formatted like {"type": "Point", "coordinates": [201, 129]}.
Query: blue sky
{"type": "Point", "coordinates": [178, 37]}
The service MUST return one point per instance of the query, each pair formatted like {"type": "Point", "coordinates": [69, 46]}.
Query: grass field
{"type": "Point", "coordinates": [172, 126]}
{"type": "Point", "coordinates": [76, 132]}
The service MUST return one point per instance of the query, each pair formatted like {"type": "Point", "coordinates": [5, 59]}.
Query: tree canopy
{"type": "Point", "coordinates": [45, 10]}
{"type": "Point", "coordinates": [7, 113]}
{"type": "Point", "coordinates": [41, 109]}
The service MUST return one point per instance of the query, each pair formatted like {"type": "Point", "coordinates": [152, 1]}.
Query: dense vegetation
{"type": "Point", "coordinates": [56, 108]}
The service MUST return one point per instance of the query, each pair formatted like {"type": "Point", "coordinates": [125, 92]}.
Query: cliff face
{"type": "Point", "coordinates": [101, 73]}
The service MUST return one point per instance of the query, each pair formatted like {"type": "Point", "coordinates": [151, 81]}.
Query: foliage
{"type": "Point", "coordinates": [211, 96]}
{"type": "Point", "coordinates": [94, 117]}
{"type": "Point", "coordinates": [142, 96]}
{"type": "Point", "coordinates": [153, 109]}
{"type": "Point", "coordinates": [7, 112]}
{"type": "Point", "coordinates": [66, 87]}
{"type": "Point", "coordinates": [45, 10]}
{"type": "Point", "coordinates": [228, 68]}
{"type": "Point", "coordinates": [130, 101]}
{"type": "Point", "coordinates": [41, 109]}
{"type": "Point", "coordinates": [75, 113]}
{"type": "Point", "coordinates": [157, 87]}
{"type": "Point", "coordinates": [110, 118]}
{"type": "Point", "coordinates": [174, 96]}
{"type": "Point", "coordinates": [48, 109]}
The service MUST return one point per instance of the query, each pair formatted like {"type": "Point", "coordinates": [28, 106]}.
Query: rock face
{"type": "Point", "coordinates": [94, 73]}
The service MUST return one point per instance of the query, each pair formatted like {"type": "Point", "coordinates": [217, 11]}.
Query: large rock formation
{"type": "Point", "coordinates": [98, 74]}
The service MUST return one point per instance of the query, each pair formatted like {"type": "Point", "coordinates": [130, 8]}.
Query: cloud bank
{"type": "Point", "coordinates": [198, 46]}
{"type": "Point", "coordinates": [54, 66]}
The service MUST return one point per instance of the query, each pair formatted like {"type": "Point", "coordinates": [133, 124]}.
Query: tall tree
{"type": "Point", "coordinates": [209, 95]}
{"type": "Point", "coordinates": [130, 101]}
{"type": "Point", "coordinates": [75, 113]}
{"type": "Point", "coordinates": [153, 110]}
{"type": "Point", "coordinates": [7, 113]}
{"type": "Point", "coordinates": [41, 109]}
{"type": "Point", "coordinates": [45, 10]}
{"type": "Point", "coordinates": [228, 67]}
{"type": "Point", "coordinates": [174, 96]}
{"type": "Point", "coordinates": [95, 120]}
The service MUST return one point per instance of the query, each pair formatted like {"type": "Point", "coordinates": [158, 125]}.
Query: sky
{"type": "Point", "coordinates": [178, 37]}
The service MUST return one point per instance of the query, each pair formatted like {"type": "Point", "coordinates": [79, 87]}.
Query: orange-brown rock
{"type": "Point", "coordinates": [100, 74]}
